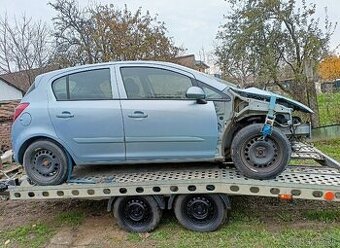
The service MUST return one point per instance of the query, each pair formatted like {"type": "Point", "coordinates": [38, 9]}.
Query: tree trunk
{"type": "Point", "coordinates": [312, 98]}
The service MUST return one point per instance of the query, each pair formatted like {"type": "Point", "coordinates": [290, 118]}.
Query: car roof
{"type": "Point", "coordinates": [198, 75]}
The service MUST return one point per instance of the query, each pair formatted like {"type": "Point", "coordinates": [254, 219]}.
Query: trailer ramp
{"type": "Point", "coordinates": [306, 151]}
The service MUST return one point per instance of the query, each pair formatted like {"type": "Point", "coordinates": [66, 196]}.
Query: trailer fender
{"type": "Point", "coordinates": [226, 201]}
{"type": "Point", "coordinates": [224, 197]}
{"type": "Point", "coordinates": [110, 204]}
{"type": "Point", "coordinates": [159, 199]}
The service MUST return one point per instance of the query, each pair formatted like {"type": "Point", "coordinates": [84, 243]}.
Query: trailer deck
{"type": "Point", "coordinates": [138, 193]}
{"type": "Point", "coordinates": [315, 183]}
{"type": "Point", "coordinates": [300, 182]}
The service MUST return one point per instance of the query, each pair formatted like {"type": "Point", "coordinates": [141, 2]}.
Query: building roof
{"type": "Point", "coordinates": [7, 110]}
{"type": "Point", "coordinates": [22, 80]}
{"type": "Point", "coordinates": [190, 61]}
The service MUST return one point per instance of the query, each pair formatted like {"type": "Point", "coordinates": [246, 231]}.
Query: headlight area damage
{"type": "Point", "coordinates": [255, 102]}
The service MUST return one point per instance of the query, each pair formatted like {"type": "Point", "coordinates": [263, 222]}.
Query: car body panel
{"type": "Point", "coordinates": [102, 131]}
{"type": "Point", "coordinates": [254, 92]}
{"type": "Point", "coordinates": [95, 132]}
{"type": "Point", "coordinates": [172, 128]}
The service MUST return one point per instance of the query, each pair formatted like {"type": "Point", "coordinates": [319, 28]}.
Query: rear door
{"type": "Point", "coordinates": [85, 111]}
{"type": "Point", "coordinates": [160, 122]}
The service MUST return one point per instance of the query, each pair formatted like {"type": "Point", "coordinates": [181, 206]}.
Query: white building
{"type": "Point", "coordinates": [9, 91]}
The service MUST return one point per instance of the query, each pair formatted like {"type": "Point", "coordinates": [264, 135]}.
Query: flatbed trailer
{"type": "Point", "coordinates": [193, 191]}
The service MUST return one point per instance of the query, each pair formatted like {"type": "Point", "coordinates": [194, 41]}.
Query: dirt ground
{"type": "Point", "coordinates": [99, 229]}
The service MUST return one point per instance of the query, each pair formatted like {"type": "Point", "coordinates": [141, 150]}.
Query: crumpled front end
{"type": "Point", "coordinates": [255, 102]}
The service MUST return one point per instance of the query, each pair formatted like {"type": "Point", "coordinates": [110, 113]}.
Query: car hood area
{"type": "Point", "coordinates": [265, 95]}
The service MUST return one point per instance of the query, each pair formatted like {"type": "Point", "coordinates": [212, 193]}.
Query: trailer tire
{"type": "Point", "coordinates": [260, 158]}
{"type": "Point", "coordinates": [45, 163]}
{"type": "Point", "coordinates": [200, 213]}
{"type": "Point", "coordinates": [137, 213]}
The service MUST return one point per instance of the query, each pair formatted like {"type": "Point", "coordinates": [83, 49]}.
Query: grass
{"type": "Point", "coordinates": [329, 110]}
{"type": "Point", "coordinates": [328, 215]}
{"type": "Point", "coordinates": [243, 234]}
{"type": "Point", "coordinates": [38, 235]}
{"type": "Point", "coordinates": [71, 218]}
{"type": "Point", "coordinates": [34, 235]}
{"type": "Point", "coordinates": [330, 147]}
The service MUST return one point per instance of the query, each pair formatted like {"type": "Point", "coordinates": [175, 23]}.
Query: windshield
{"type": "Point", "coordinates": [225, 82]}
{"type": "Point", "coordinates": [219, 80]}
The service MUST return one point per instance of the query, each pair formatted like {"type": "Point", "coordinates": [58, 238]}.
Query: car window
{"type": "Point", "coordinates": [154, 83]}
{"type": "Point", "coordinates": [87, 85]}
{"type": "Point", "coordinates": [211, 93]}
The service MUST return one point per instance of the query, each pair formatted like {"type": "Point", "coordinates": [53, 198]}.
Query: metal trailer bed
{"type": "Point", "coordinates": [166, 182]}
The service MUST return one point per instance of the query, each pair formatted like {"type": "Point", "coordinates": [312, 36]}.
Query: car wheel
{"type": "Point", "coordinates": [137, 213]}
{"type": "Point", "coordinates": [201, 213]}
{"type": "Point", "coordinates": [45, 163]}
{"type": "Point", "coordinates": [257, 157]}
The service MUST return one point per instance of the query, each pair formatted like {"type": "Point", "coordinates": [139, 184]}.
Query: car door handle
{"type": "Point", "coordinates": [138, 114]}
{"type": "Point", "coordinates": [65, 115]}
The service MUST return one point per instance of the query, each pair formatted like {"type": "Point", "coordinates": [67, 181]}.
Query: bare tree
{"type": "Point", "coordinates": [103, 32]}
{"type": "Point", "coordinates": [24, 45]}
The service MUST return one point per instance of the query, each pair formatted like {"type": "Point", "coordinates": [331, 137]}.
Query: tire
{"type": "Point", "coordinates": [200, 213]}
{"type": "Point", "coordinates": [137, 213]}
{"type": "Point", "coordinates": [45, 163]}
{"type": "Point", "coordinates": [260, 158]}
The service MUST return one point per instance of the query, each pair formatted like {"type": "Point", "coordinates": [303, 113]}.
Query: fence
{"type": "Point", "coordinates": [329, 108]}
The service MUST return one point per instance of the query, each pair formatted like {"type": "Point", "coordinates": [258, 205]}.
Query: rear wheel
{"type": "Point", "coordinates": [201, 213]}
{"type": "Point", "coordinates": [137, 213]}
{"type": "Point", "coordinates": [257, 157]}
{"type": "Point", "coordinates": [45, 163]}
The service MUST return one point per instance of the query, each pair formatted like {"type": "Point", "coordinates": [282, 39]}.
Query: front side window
{"type": "Point", "coordinates": [87, 85]}
{"type": "Point", "coordinates": [211, 93]}
{"type": "Point", "coordinates": [154, 83]}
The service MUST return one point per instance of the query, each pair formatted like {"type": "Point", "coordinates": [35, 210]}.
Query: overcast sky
{"type": "Point", "coordinates": [192, 23]}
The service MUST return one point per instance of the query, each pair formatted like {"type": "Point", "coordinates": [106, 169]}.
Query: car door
{"type": "Point", "coordinates": [86, 114]}
{"type": "Point", "coordinates": [160, 123]}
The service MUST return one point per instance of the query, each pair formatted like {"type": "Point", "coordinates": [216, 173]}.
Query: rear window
{"type": "Point", "coordinates": [87, 85]}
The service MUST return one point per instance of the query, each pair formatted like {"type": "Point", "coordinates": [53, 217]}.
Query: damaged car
{"type": "Point", "coordinates": [136, 112]}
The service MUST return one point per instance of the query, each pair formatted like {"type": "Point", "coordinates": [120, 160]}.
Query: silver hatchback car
{"type": "Point", "coordinates": [149, 112]}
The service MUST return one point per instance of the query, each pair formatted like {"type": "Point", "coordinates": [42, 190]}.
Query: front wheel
{"type": "Point", "coordinates": [257, 157]}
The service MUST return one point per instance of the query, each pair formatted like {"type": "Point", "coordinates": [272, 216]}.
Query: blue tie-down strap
{"type": "Point", "coordinates": [270, 118]}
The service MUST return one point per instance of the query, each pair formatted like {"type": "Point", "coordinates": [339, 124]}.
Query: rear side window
{"type": "Point", "coordinates": [87, 85]}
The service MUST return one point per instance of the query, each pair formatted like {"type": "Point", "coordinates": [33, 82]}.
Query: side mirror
{"type": "Point", "coordinates": [196, 93]}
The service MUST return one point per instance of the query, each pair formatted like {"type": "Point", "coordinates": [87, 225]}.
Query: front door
{"type": "Point", "coordinates": [160, 122]}
{"type": "Point", "coordinates": [86, 116]}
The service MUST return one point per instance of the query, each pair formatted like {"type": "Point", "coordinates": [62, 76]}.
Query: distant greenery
{"type": "Point", "coordinates": [329, 108]}
{"type": "Point", "coordinates": [330, 147]}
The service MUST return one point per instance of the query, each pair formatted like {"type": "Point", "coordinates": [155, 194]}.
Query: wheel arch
{"type": "Point", "coordinates": [234, 127]}
{"type": "Point", "coordinates": [158, 198]}
{"type": "Point", "coordinates": [31, 140]}
{"type": "Point", "coordinates": [224, 197]}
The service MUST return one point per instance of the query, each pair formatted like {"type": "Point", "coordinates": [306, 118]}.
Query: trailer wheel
{"type": "Point", "coordinates": [257, 157]}
{"type": "Point", "coordinates": [201, 213]}
{"type": "Point", "coordinates": [45, 163]}
{"type": "Point", "coordinates": [137, 213]}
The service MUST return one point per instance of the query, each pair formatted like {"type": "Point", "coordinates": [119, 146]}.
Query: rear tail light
{"type": "Point", "coordinates": [19, 109]}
